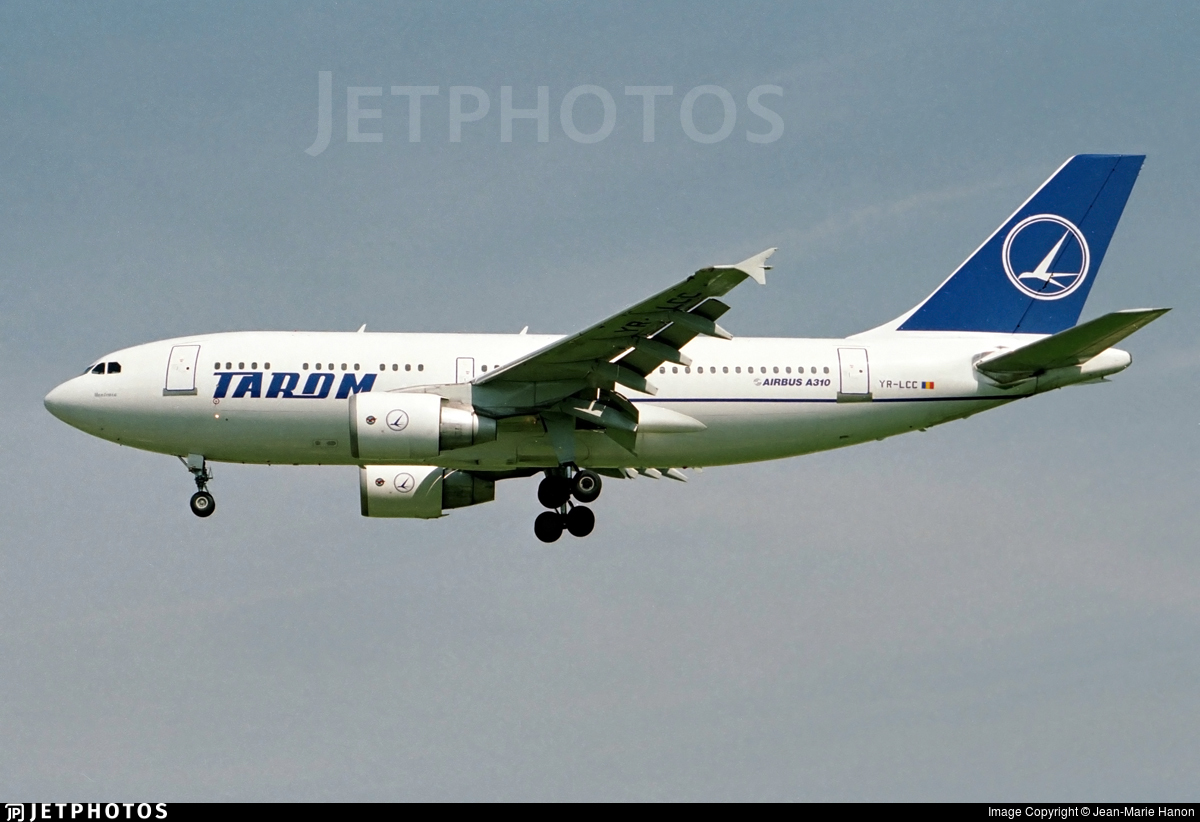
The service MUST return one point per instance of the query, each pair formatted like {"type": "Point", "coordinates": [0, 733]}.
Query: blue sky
{"type": "Point", "coordinates": [1004, 607]}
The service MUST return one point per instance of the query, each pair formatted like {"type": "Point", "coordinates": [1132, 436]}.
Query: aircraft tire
{"type": "Point", "coordinates": [548, 526]}
{"type": "Point", "coordinates": [554, 491]}
{"type": "Point", "coordinates": [580, 521]}
{"type": "Point", "coordinates": [203, 504]}
{"type": "Point", "coordinates": [586, 486]}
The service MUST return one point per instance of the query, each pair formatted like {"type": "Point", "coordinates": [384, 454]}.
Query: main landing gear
{"type": "Point", "coordinates": [202, 502]}
{"type": "Point", "coordinates": [555, 492]}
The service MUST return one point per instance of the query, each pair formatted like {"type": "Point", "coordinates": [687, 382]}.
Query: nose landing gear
{"type": "Point", "coordinates": [202, 502]}
{"type": "Point", "coordinates": [555, 492]}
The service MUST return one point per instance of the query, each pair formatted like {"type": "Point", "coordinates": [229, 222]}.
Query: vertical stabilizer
{"type": "Point", "coordinates": [1034, 273]}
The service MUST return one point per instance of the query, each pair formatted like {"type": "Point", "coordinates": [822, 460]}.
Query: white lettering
{"type": "Point", "coordinates": [757, 108]}
{"type": "Point", "coordinates": [689, 124]}
{"type": "Point", "coordinates": [324, 113]}
{"type": "Point", "coordinates": [458, 116]}
{"type": "Point", "coordinates": [414, 95]}
{"type": "Point", "coordinates": [648, 93]}
{"type": "Point", "coordinates": [508, 114]}
{"type": "Point", "coordinates": [566, 114]}
{"type": "Point", "coordinates": [354, 114]}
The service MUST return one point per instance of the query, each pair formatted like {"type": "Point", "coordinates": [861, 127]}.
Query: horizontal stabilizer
{"type": "Point", "coordinates": [1074, 346]}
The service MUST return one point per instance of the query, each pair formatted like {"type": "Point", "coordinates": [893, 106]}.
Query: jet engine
{"type": "Point", "coordinates": [393, 426]}
{"type": "Point", "coordinates": [419, 491]}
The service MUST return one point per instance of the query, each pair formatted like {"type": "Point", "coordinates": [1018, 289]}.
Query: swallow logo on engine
{"type": "Point", "coordinates": [397, 420]}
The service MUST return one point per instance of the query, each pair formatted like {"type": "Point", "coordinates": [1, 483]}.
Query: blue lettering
{"type": "Point", "coordinates": [283, 383]}
{"type": "Point", "coordinates": [224, 378]}
{"type": "Point", "coordinates": [324, 381]}
{"type": "Point", "coordinates": [350, 384]}
{"type": "Point", "coordinates": [249, 383]}
{"type": "Point", "coordinates": [222, 385]}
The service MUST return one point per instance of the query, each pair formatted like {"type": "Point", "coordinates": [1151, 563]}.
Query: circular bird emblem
{"type": "Point", "coordinates": [371, 420]}
{"type": "Point", "coordinates": [397, 420]}
{"type": "Point", "coordinates": [379, 482]}
{"type": "Point", "coordinates": [1046, 257]}
{"type": "Point", "coordinates": [405, 483]}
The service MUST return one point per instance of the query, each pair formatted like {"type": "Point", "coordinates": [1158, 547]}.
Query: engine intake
{"type": "Point", "coordinates": [389, 426]}
{"type": "Point", "coordinates": [419, 491]}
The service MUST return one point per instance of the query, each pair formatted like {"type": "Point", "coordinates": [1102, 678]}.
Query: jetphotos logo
{"type": "Point", "coordinates": [37, 811]}
{"type": "Point", "coordinates": [586, 113]}
{"type": "Point", "coordinates": [1046, 257]}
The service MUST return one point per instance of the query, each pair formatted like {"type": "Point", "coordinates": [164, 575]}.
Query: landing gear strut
{"type": "Point", "coordinates": [202, 502]}
{"type": "Point", "coordinates": [555, 492]}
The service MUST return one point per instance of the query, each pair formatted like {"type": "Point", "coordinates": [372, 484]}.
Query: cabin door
{"type": "Point", "coordinates": [855, 383]}
{"type": "Point", "coordinates": [181, 370]}
{"type": "Point", "coordinates": [465, 372]}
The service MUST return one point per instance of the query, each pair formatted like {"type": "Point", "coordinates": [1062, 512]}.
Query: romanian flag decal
{"type": "Point", "coordinates": [927, 385]}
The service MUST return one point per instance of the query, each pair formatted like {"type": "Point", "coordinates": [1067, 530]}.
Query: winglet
{"type": "Point", "coordinates": [755, 267]}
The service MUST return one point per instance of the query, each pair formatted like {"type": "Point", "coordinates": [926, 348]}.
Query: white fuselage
{"type": "Point", "coordinates": [757, 398]}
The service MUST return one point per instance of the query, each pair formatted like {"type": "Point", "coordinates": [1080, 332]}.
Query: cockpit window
{"type": "Point", "coordinates": [114, 368]}
{"type": "Point", "coordinates": [99, 369]}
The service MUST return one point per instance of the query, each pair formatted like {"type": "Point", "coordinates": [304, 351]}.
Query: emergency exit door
{"type": "Point", "coordinates": [465, 372]}
{"type": "Point", "coordinates": [855, 383]}
{"type": "Point", "coordinates": [181, 370]}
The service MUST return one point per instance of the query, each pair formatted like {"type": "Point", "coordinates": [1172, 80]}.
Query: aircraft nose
{"type": "Point", "coordinates": [65, 402]}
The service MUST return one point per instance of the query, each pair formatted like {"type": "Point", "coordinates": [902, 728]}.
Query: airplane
{"type": "Point", "coordinates": [434, 421]}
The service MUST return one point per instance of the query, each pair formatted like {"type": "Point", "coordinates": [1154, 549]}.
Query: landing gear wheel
{"type": "Point", "coordinates": [554, 491]}
{"type": "Point", "coordinates": [548, 526]}
{"type": "Point", "coordinates": [580, 521]}
{"type": "Point", "coordinates": [203, 504]}
{"type": "Point", "coordinates": [586, 487]}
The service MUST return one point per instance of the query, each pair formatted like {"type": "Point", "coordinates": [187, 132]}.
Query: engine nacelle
{"type": "Point", "coordinates": [419, 491]}
{"type": "Point", "coordinates": [389, 426]}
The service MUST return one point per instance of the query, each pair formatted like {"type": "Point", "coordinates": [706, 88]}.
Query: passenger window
{"type": "Point", "coordinates": [826, 370]}
{"type": "Point", "coordinates": [408, 366]}
{"type": "Point", "coordinates": [674, 369]}
{"type": "Point", "coordinates": [241, 366]}
{"type": "Point", "coordinates": [356, 366]}
{"type": "Point", "coordinates": [775, 369]}
{"type": "Point", "coordinates": [228, 366]}
{"type": "Point", "coordinates": [725, 369]}
{"type": "Point", "coordinates": [114, 368]}
{"type": "Point", "coordinates": [99, 369]}
{"type": "Point", "coordinates": [305, 366]}
{"type": "Point", "coordinates": [267, 366]}
{"type": "Point", "coordinates": [738, 369]}
{"type": "Point", "coordinates": [687, 370]}
{"type": "Point", "coordinates": [420, 366]}
{"type": "Point", "coordinates": [343, 366]}
{"type": "Point", "coordinates": [395, 366]}
{"type": "Point", "coordinates": [253, 366]}
{"type": "Point", "coordinates": [485, 369]}
{"type": "Point", "coordinates": [216, 366]}
{"type": "Point", "coordinates": [662, 370]}
{"type": "Point", "coordinates": [787, 370]}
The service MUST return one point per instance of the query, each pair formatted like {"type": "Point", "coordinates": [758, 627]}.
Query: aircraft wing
{"type": "Point", "coordinates": [1074, 346]}
{"type": "Point", "coordinates": [625, 348]}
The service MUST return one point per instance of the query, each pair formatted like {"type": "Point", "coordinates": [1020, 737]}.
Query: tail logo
{"type": "Point", "coordinates": [1046, 257]}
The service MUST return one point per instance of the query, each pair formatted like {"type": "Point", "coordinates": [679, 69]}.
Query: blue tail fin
{"type": "Point", "coordinates": [1034, 273]}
